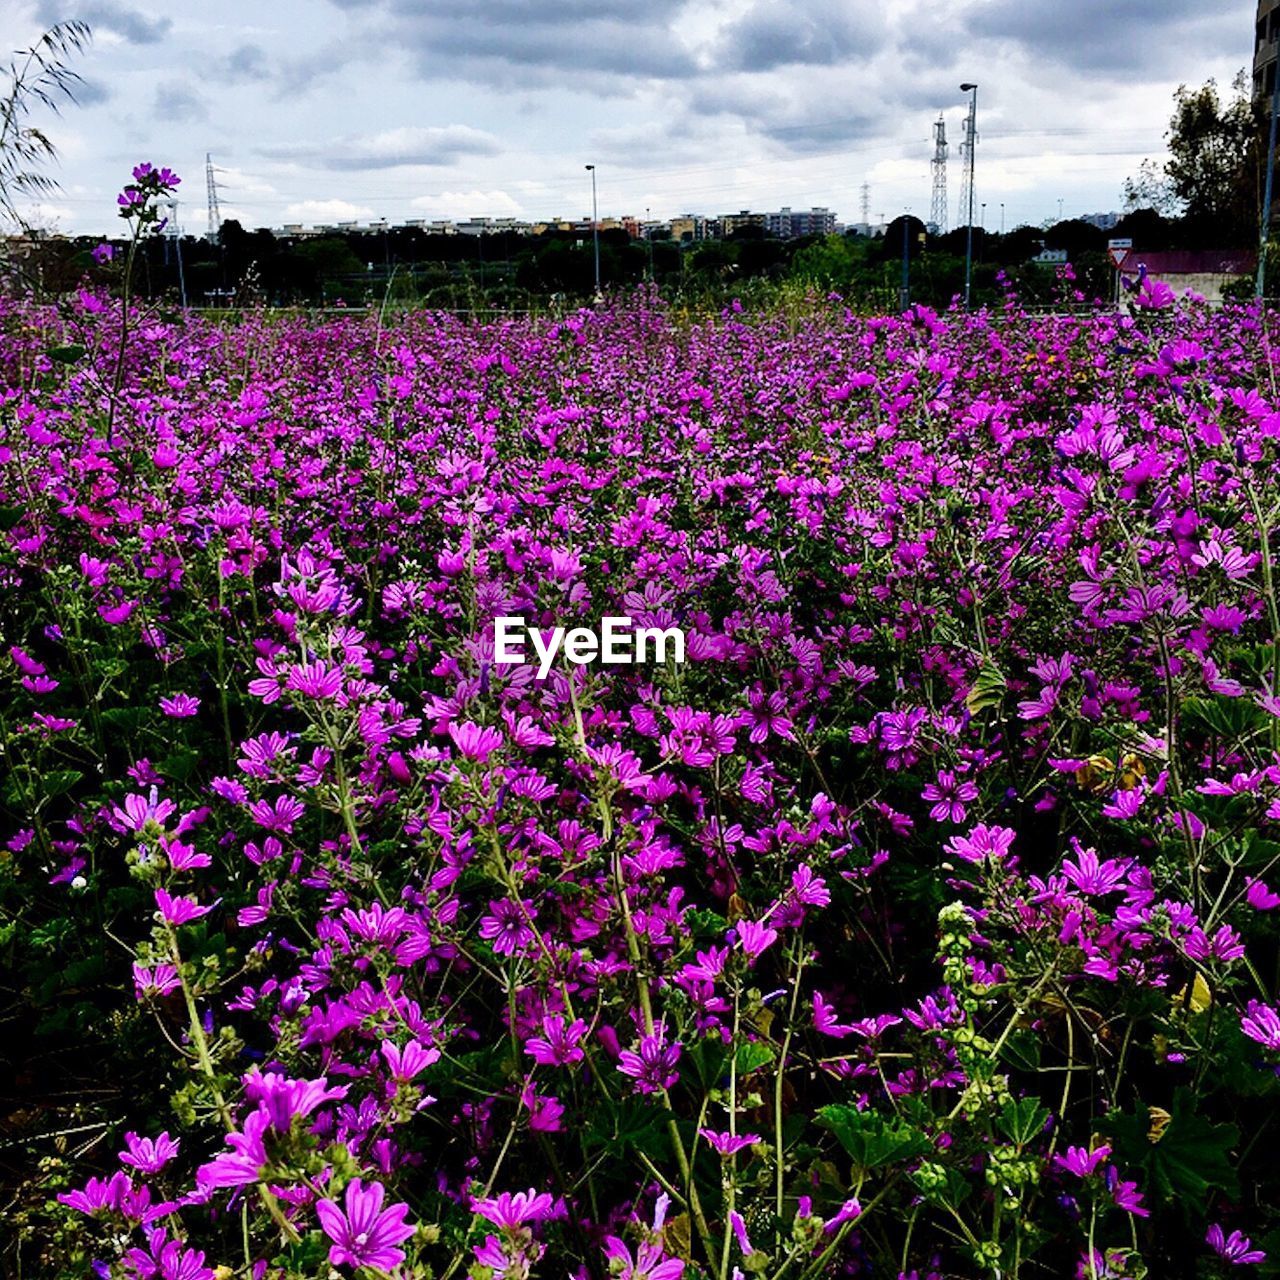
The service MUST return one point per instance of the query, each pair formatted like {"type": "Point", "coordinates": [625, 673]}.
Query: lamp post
{"type": "Point", "coordinates": [1002, 217]}
{"type": "Point", "coordinates": [972, 138]}
{"type": "Point", "coordinates": [595, 226]}
{"type": "Point", "coordinates": [904, 296]}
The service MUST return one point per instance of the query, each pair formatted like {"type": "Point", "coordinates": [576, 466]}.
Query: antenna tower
{"type": "Point", "coordinates": [938, 208]}
{"type": "Point", "coordinates": [211, 185]}
{"type": "Point", "coordinates": [966, 148]}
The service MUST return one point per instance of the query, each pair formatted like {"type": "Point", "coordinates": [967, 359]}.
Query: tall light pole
{"type": "Point", "coordinates": [595, 225]}
{"type": "Point", "coordinates": [972, 138]}
{"type": "Point", "coordinates": [1002, 217]}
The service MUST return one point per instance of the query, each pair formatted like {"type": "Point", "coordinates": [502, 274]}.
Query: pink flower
{"type": "Point", "coordinates": [653, 1066]}
{"type": "Point", "coordinates": [950, 795]}
{"type": "Point", "coordinates": [408, 1062]}
{"type": "Point", "coordinates": [279, 815]}
{"type": "Point", "coordinates": [366, 1234]}
{"type": "Point", "coordinates": [728, 1144]}
{"type": "Point", "coordinates": [177, 911]}
{"type": "Point", "coordinates": [514, 1210]}
{"type": "Point", "coordinates": [181, 706]}
{"type": "Point", "coordinates": [315, 680]}
{"type": "Point", "coordinates": [1262, 1023]}
{"type": "Point", "coordinates": [1235, 1248]}
{"type": "Point", "coordinates": [140, 810]}
{"type": "Point", "coordinates": [507, 927]}
{"type": "Point", "coordinates": [754, 938]}
{"type": "Point", "coordinates": [981, 843]}
{"type": "Point", "coordinates": [1080, 1161]}
{"type": "Point", "coordinates": [148, 1155]}
{"type": "Point", "coordinates": [1260, 898]}
{"type": "Point", "coordinates": [475, 742]}
{"type": "Point", "coordinates": [824, 1019]}
{"type": "Point", "coordinates": [559, 1045]}
{"type": "Point", "coordinates": [649, 1262]}
{"type": "Point", "coordinates": [159, 981]}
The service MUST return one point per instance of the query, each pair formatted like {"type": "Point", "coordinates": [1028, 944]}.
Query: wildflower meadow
{"type": "Point", "coordinates": [917, 920]}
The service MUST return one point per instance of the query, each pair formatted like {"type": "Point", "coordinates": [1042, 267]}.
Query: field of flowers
{"type": "Point", "coordinates": [922, 923]}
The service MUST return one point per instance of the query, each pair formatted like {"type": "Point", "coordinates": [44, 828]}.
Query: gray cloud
{"type": "Point", "coordinates": [131, 24]}
{"type": "Point", "coordinates": [1099, 37]}
{"type": "Point", "coordinates": [245, 62]}
{"type": "Point", "coordinates": [91, 93]}
{"type": "Point", "coordinates": [603, 45]}
{"type": "Point", "coordinates": [391, 148]}
{"type": "Point", "coordinates": [804, 33]}
{"type": "Point", "coordinates": [176, 100]}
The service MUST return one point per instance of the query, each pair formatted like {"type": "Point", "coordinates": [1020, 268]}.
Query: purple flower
{"type": "Point", "coordinates": [139, 810]}
{"type": "Point", "coordinates": [754, 938]}
{"type": "Point", "coordinates": [653, 1066]}
{"type": "Point", "coordinates": [559, 1045]}
{"type": "Point", "coordinates": [728, 1144]}
{"type": "Point", "coordinates": [148, 1155]}
{"type": "Point", "coordinates": [475, 742]}
{"type": "Point", "coordinates": [103, 253]}
{"type": "Point", "coordinates": [180, 706]}
{"type": "Point", "coordinates": [949, 795]}
{"type": "Point", "coordinates": [159, 981]}
{"type": "Point", "coordinates": [507, 927]}
{"type": "Point", "coordinates": [1235, 1248]}
{"type": "Point", "coordinates": [412, 1060]}
{"type": "Point", "coordinates": [649, 1262]}
{"type": "Point", "coordinates": [365, 1234]}
{"type": "Point", "coordinates": [1081, 1161]}
{"type": "Point", "coordinates": [98, 1194]}
{"type": "Point", "coordinates": [1262, 1023]}
{"type": "Point", "coordinates": [280, 1099]}
{"type": "Point", "coordinates": [1092, 876]}
{"type": "Point", "coordinates": [510, 1210]}
{"type": "Point", "coordinates": [177, 911]}
{"type": "Point", "coordinates": [981, 843]}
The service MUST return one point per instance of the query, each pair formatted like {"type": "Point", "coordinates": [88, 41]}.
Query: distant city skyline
{"type": "Point", "coordinates": [321, 111]}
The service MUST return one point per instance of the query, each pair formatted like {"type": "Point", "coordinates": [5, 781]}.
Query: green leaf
{"type": "Point", "coordinates": [59, 782]}
{"type": "Point", "coordinates": [872, 1139]}
{"type": "Point", "coordinates": [1227, 717]}
{"type": "Point", "coordinates": [626, 1125]}
{"type": "Point", "coordinates": [65, 355]}
{"type": "Point", "coordinates": [130, 719]}
{"type": "Point", "coordinates": [9, 517]}
{"type": "Point", "coordinates": [179, 766]}
{"type": "Point", "coordinates": [1022, 1121]}
{"type": "Point", "coordinates": [753, 1055]}
{"type": "Point", "coordinates": [1022, 1050]}
{"type": "Point", "coordinates": [988, 689]}
{"type": "Point", "coordinates": [1191, 1157]}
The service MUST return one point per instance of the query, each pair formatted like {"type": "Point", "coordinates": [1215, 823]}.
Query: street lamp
{"type": "Point", "coordinates": [971, 138]}
{"type": "Point", "coordinates": [595, 226]}
{"type": "Point", "coordinates": [1002, 217]}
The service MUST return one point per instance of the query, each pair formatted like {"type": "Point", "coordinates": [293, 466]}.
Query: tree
{"type": "Point", "coordinates": [1212, 174]}
{"type": "Point", "coordinates": [35, 77]}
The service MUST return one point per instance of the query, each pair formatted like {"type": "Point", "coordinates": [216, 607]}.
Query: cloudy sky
{"type": "Point", "coordinates": [320, 110]}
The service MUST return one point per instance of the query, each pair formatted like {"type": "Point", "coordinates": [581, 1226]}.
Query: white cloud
{"type": "Point", "coordinates": [326, 211]}
{"type": "Point", "coordinates": [466, 204]}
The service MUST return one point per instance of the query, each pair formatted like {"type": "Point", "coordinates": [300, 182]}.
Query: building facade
{"type": "Point", "coordinates": [1266, 39]}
